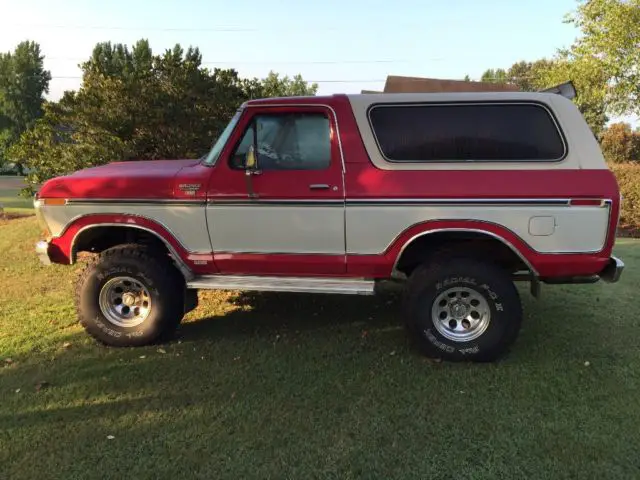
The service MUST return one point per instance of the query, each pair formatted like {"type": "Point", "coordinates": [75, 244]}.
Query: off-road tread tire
{"type": "Point", "coordinates": [421, 290]}
{"type": "Point", "coordinates": [168, 290]}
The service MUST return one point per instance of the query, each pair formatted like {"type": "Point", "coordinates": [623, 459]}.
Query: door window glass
{"type": "Point", "coordinates": [298, 141]}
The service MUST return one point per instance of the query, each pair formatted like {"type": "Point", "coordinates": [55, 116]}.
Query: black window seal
{"type": "Point", "coordinates": [539, 104]}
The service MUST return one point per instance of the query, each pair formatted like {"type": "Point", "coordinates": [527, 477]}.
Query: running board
{"type": "Point", "coordinates": [346, 286]}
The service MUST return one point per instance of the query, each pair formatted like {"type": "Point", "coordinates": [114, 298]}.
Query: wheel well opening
{"type": "Point", "coordinates": [470, 244]}
{"type": "Point", "coordinates": [99, 239]}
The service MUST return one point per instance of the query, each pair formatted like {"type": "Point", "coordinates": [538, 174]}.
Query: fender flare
{"type": "Point", "coordinates": [68, 238]}
{"type": "Point", "coordinates": [492, 230]}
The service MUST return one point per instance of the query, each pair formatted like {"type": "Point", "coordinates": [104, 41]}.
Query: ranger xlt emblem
{"type": "Point", "coordinates": [189, 188]}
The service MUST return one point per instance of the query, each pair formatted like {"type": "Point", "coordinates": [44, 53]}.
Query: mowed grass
{"type": "Point", "coordinates": [299, 386]}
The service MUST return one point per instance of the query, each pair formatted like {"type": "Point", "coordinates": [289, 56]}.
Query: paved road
{"type": "Point", "coordinates": [10, 183]}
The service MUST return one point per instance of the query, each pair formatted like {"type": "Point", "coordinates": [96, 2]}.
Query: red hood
{"type": "Point", "coordinates": [135, 179]}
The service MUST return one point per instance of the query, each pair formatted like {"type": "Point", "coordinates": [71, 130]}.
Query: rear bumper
{"type": "Point", "coordinates": [42, 251]}
{"type": "Point", "coordinates": [612, 271]}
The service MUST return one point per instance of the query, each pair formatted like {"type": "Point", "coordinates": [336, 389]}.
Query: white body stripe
{"type": "Point", "coordinates": [187, 223]}
{"type": "Point", "coordinates": [277, 228]}
{"type": "Point", "coordinates": [371, 229]}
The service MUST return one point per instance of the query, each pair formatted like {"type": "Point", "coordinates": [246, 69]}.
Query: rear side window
{"type": "Point", "coordinates": [466, 132]}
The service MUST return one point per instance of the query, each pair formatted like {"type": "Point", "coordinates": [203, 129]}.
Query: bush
{"type": "Point", "coordinates": [620, 143]}
{"type": "Point", "coordinates": [628, 175]}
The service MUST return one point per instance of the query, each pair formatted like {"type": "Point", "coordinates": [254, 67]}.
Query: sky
{"type": "Point", "coordinates": [343, 45]}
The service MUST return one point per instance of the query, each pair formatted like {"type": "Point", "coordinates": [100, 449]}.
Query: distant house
{"type": "Point", "coordinates": [399, 84]}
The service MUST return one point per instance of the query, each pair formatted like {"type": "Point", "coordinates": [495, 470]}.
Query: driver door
{"type": "Point", "coordinates": [289, 219]}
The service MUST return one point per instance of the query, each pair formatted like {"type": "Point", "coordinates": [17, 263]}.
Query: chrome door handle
{"type": "Point", "coordinates": [319, 186]}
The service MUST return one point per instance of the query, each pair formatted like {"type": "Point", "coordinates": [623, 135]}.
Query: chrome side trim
{"type": "Point", "coordinates": [222, 253]}
{"type": "Point", "coordinates": [184, 269]}
{"type": "Point", "coordinates": [460, 201]}
{"type": "Point", "coordinates": [136, 201]}
{"type": "Point", "coordinates": [402, 201]}
{"type": "Point", "coordinates": [345, 286]}
{"type": "Point", "coordinates": [265, 203]}
{"type": "Point", "coordinates": [607, 202]}
{"type": "Point", "coordinates": [396, 272]}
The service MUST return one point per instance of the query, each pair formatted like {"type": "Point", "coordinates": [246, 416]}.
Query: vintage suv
{"type": "Point", "coordinates": [455, 194]}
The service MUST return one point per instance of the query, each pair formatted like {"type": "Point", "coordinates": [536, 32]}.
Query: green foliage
{"type": "Point", "coordinates": [590, 81]}
{"type": "Point", "coordinates": [134, 104]}
{"type": "Point", "coordinates": [620, 143]}
{"type": "Point", "coordinates": [628, 176]}
{"type": "Point", "coordinates": [526, 75]}
{"type": "Point", "coordinates": [51, 148]}
{"type": "Point", "coordinates": [494, 76]}
{"type": "Point", "coordinates": [611, 34]}
{"type": "Point", "coordinates": [23, 83]}
{"type": "Point", "coordinates": [603, 63]}
{"type": "Point", "coordinates": [275, 86]}
{"type": "Point", "coordinates": [587, 75]}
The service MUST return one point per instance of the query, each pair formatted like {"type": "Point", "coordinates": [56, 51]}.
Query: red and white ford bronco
{"type": "Point", "coordinates": [455, 194]}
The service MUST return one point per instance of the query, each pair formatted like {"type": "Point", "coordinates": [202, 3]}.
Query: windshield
{"type": "Point", "coordinates": [213, 155]}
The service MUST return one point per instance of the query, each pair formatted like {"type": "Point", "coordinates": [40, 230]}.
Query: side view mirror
{"type": "Point", "coordinates": [251, 161]}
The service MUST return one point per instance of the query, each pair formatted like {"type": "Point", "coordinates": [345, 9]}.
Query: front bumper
{"type": "Point", "coordinates": [613, 270]}
{"type": "Point", "coordinates": [42, 251]}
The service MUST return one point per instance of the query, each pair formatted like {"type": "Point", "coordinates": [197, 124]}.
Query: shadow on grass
{"type": "Point", "coordinates": [270, 313]}
{"type": "Point", "coordinates": [225, 399]}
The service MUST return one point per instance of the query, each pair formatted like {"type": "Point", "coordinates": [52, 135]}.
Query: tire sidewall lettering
{"type": "Point", "coordinates": [450, 281]}
{"type": "Point", "coordinates": [106, 328]}
{"type": "Point", "coordinates": [441, 345]}
{"type": "Point", "coordinates": [102, 275]}
{"type": "Point", "coordinates": [482, 287]}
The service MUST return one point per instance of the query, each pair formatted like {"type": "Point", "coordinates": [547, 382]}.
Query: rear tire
{"type": "Point", "coordinates": [461, 309]}
{"type": "Point", "coordinates": [128, 297]}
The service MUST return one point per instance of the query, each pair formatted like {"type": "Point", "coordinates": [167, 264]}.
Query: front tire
{"type": "Point", "coordinates": [128, 297]}
{"type": "Point", "coordinates": [462, 310]}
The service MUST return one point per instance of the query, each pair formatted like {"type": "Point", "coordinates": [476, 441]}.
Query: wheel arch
{"type": "Point", "coordinates": [416, 244]}
{"type": "Point", "coordinates": [103, 235]}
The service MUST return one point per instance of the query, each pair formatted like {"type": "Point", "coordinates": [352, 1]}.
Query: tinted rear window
{"type": "Point", "coordinates": [466, 132]}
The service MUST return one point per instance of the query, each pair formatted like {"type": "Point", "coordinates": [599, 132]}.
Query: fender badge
{"type": "Point", "coordinates": [189, 188]}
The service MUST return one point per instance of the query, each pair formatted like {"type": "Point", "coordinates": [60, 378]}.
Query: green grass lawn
{"type": "Point", "coordinates": [300, 386]}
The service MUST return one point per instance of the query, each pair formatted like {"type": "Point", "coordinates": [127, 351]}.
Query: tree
{"type": "Point", "coordinates": [23, 83]}
{"type": "Point", "coordinates": [50, 148]}
{"type": "Point", "coordinates": [134, 105]}
{"type": "Point", "coordinates": [275, 86]}
{"type": "Point", "coordinates": [590, 82]}
{"type": "Point", "coordinates": [494, 76]}
{"type": "Point", "coordinates": [611, 34]}
{"type": "Point", "coordinates": [620, 143]}
{"type": "Point", "coordinates": [526, 75]}
{"type": "Point", "coordinates": [587, 74]}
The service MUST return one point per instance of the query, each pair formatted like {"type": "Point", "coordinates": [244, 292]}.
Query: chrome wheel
{"type": "Point", "coordinates": [461, 314]}
{"type": "Point", "coordinates": [125, 301]}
